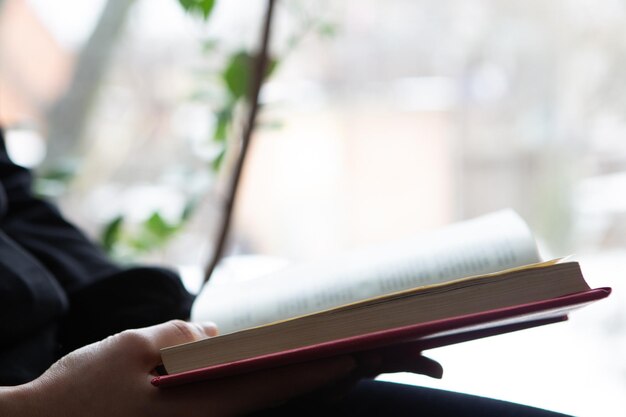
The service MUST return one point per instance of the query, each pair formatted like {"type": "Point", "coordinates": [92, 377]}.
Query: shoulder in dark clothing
{"type": "Point", "coordinates": [58, 291]}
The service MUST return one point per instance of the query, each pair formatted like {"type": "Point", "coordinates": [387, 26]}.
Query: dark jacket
{"type": "Point", "coordinates": [58, 291]}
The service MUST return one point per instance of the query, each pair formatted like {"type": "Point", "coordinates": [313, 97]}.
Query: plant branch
{"type": "Point", "coordinates": [258, 75]}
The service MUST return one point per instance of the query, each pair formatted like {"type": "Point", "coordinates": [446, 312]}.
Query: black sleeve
{"type": "Point", "coordinates": [103, 298]}
{"type": "Point", "coordinates": [39, 228]}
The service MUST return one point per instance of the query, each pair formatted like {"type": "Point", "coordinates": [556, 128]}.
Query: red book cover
{"type": "Point", "coordinates": [420, 336]}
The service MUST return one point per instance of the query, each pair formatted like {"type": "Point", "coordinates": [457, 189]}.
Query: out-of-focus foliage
{"type": "Point", "coordinates": [237, 76]}
{"type": "Point", "coordinates": [202, 8]}
{"type": "Point", "coordinates": [151, 234]}
{"type": "Point", "coordinates": [125, 240]}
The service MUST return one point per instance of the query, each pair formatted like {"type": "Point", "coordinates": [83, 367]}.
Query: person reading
{"type": "Point", "coordinates": [80, 336]}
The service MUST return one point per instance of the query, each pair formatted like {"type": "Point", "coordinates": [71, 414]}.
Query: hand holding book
{"type": "Point", "coordinates": [113, 375]}
{"type": "Point", "coordinates": [474, 279]}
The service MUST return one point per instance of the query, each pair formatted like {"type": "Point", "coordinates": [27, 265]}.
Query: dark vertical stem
{"type": "Point", "coordinates": [260, 65]}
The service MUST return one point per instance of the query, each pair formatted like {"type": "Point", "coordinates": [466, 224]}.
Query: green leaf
{"type": "Point", "coordinates": [224, 117]}
{"type": "Point", "coordinates": [158, 227]}
{"type": "Point", "coordinates": [238, 73]}
{"type": "Point", "coordinates": [144, 243]}
{"type": "Point", "coordinates": [271, 67]}
{"type": "Point", "coordinates": [327, 29]}
{"type": "Point", "coordinates": [111, 233]}
{"type": "Point", "coordinates": [62, 173]}
{"type": "Point", "coordinates": [190, 208]}
{"type": "Point", "coordinates": [219, 159]}
{"type": "Point", "coordinates": [198, 7]}
{"type": "Point", "coordinates": [209, 45]}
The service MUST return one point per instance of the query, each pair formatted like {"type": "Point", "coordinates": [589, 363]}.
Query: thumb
{"type": "Point", "coordinates": [176, 332]}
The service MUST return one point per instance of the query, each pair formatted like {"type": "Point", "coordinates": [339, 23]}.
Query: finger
{"type": "Point", "coordinates": [397, 359]}
{"type": "Point", "coordinates": [171, 333]}
{"type": "Point", "coordinates": [208, 327]}
{"type": "Point", "coordinates": [410, 361]}
{"type": "Point", "coordinates": [425, 366]}
{"type": "Point", "coordinates": [176, 332]}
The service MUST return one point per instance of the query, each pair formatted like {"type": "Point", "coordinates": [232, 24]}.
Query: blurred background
{"type": "Point", "coordinates": [379, 120]}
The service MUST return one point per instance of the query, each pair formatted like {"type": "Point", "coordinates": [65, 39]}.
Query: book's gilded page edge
{"type": "Point", "coordinates": [537, 265]}
{"type": "Point", "coordinates": [445, 283]}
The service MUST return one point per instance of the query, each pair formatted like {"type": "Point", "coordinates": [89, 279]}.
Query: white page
{"type": "Point", "coordinates": [486, 244]}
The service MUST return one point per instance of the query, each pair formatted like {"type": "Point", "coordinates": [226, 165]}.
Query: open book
{"type": "Point", "coordinates": [472, 279]}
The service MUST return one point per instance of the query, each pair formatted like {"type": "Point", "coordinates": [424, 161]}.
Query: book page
{"type": "Point", "coordinates": [486, 244]}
